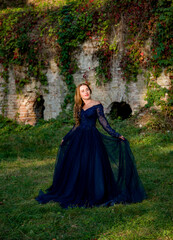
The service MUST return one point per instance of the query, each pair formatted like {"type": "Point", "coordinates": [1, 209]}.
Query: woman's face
{"type": "Point", "coordinates": [85, 92]}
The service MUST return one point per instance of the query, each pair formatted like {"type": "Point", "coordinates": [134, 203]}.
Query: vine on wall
{"type": "Point", "coordinates": [18, 47]}
{"type": "Point", "coordinates": [25, 31]}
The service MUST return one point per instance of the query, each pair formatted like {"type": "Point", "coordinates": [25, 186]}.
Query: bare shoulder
{"type": "Point", "coordinates": [95, 102]}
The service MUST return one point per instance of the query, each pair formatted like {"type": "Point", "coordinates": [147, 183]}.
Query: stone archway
{"type": "Point", "coordinates": [39, 108]}
{"type": "Point", "coordinates": [120, 110]}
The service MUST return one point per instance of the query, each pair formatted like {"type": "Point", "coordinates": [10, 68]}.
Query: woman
{"type": "Point", "coordinates": [93, 169]}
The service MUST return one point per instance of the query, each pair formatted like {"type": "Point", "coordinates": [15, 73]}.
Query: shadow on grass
{"type": "Point", "coordinates": [27, 167]}
{"type": "Point", "coordinates": [149, 218]}
{"type": "Point", "coordinates": [155, 174]}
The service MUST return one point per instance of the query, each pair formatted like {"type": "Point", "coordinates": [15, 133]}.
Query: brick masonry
{"type": "Point", "coordinates": [23, 106]}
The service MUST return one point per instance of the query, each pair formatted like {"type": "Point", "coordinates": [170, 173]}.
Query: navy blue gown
{"type": "Point", "coordinates": [93, 169]}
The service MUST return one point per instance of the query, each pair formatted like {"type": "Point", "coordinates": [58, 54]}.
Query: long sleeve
{"type": "Point", "coordinates": [103, 121]}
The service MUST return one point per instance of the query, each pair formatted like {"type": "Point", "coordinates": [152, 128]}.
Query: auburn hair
{"type": "Point", "coordinates": [78, 103]}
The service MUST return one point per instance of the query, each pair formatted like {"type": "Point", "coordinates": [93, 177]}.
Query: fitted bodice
{"type": "Point", "coordinates": [88, 119]}
{"type": "Point", "coordinates": [93, 169]}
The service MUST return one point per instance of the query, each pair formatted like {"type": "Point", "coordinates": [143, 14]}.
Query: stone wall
{"type": "Point", "coordinates": [22, 106]}
{"type": "Point", "coordinates": [115, 91]}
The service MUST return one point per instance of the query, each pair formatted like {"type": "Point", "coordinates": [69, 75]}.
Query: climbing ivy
{"type": "Point", "coordinates": [17, 46]}
{"type": "Point", "coordinates": [24, 31]}
{"type": "Point", "coordinates": [155, 95]}
{"type": "Point", "coordinates": [72, 32]}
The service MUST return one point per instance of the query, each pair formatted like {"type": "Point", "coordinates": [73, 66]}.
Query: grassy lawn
{"type": "Point", "coordinates": [27, 162]}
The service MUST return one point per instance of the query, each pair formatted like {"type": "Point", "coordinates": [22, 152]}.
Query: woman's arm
{"type": "Point", "coordinates": [66, 136]}
{"type": "Point", "coordinates": [103, 121]}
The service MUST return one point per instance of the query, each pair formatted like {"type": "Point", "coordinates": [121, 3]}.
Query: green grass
{"type": "Point", "coordinates": [27, 162]}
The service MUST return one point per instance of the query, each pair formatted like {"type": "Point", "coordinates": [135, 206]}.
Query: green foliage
{"type": "Point", "coordinates": [103, 71]}
{"type": "Point", "coordinates": [159, 122]}
{"type": "Point", "coordinates": [27, 165]}
{"type": "Point", "coordinates": [16, 45]}
{"type": "Point", "coordinates": [66, 25]}
{"type": "Point", "coordinates": [8, 126]}
{"type": "Point", "coordinates": [72, 31]}
{"type": "Point", "coordinates": [155, 93]}
{"type": "Point", "coordinates": [12, 4]}
{"type": "Point", "coordinates": [163, 48]}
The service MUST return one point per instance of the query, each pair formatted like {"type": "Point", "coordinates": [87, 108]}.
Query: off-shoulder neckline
{"type": "Point", "coordinates": [91, 107]}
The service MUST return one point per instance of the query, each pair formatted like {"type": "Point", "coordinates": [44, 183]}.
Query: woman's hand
{"type": "Point", "coordinates": [62, 141]}
{"type": "Point", "coordinates": [123, 138]}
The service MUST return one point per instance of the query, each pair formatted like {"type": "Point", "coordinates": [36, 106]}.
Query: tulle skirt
{"type": "Point", "coordinates": [93, 169]}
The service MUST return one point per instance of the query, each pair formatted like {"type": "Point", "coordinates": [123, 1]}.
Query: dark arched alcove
{"type": "Point", "coordinates": [120, 110]}
{"type": "Point", "coordinates": [39, 108]}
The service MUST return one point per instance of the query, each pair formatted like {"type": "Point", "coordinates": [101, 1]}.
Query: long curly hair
{"type": "Point", "coordinates": [78, 103]}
